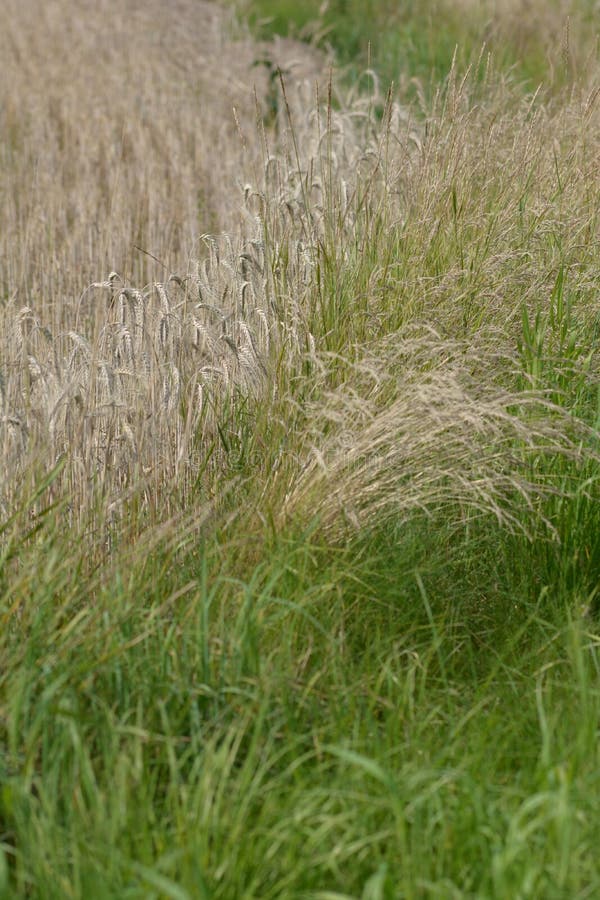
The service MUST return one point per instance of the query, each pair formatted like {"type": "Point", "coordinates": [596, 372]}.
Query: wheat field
{"type": "Point", "coordinates": [299, 411]}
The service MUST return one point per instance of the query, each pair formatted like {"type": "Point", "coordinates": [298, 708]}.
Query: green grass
{"type": "Point", "coordinates": [406, 717]}
{"type": "Point", "coordinates": [416, 42]}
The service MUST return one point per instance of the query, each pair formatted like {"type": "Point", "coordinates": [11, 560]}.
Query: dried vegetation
{"type": "Point", "coordinates": [272, 251]}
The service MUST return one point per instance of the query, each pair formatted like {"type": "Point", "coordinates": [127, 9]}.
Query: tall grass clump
{"type": "Point", "coordinates": [299, 408]}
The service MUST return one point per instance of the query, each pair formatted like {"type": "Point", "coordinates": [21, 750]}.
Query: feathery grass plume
{"type": "Point", "coordinates": [423, 423]}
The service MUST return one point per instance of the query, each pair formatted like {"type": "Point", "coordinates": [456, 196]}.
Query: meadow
{"type": "Point", "coordinates": [299, 451]}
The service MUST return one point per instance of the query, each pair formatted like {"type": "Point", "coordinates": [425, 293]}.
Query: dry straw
{"type": "Point", "coordinates": [104, 156]}
{"type": "Point", "coordinates": [239, 252]}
